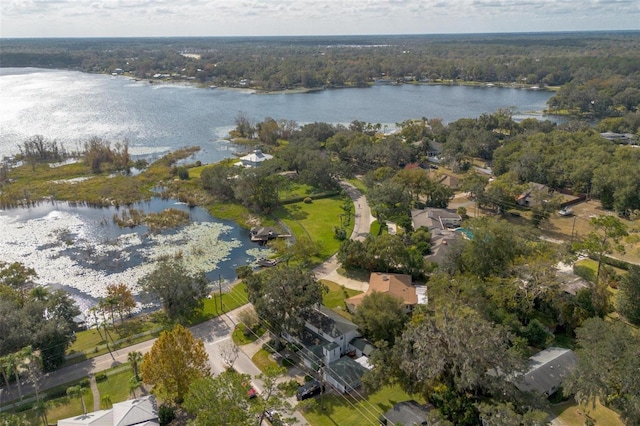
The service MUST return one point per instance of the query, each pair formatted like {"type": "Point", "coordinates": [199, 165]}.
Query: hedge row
{"type": "Point", "coordinates": [317, 196]}
{"type": "Point", "coordinates": [617, 263]}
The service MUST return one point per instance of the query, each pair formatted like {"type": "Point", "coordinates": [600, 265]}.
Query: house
{"type": "Point", "coordinates": [326, 339]}
{"type": "Point", "coordinates": [139, 412]}
{"type": "Point", "coordinates": [344, 374]}
{"type": "Point", "coordinates": [398, 285]}
{"type": "Point", "coordinates": [406, 413]}
{"type": "Point", "coordinates": [254, 159]}
{"type": "Point", "coordinates": [450, 181]}
{"type": "Point", "coordinates": [547, 370]}
{"type": "Point", "coordinates": [434, 218]}
{"type": "Point", "coordinates": [526, 198]}
{"type": "Point", "coordinates": [263, 234]}
{"type": "Point", "coordinates": [625, 138]}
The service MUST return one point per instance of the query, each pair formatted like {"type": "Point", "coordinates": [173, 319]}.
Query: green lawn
{"type": "Point", "coordinates": [336, 296]}
{"type": "Point", "coordinates": [240, 338]}
{"type": "Point", "coordinates": [573, 414]}
{"type": "Point", "coordinates": [117, 385]}
{"type": "Point", "coordinates": [230, 300]}
{"type": "Point", "coordinates": [349, 411]}
{"type": "Point", "coordinates": [262, 361]}
{"type": "Point", "coordinates": [63, 407]}
{"type": "Point", "coordinates": [316, 220]}
{"type": "Point", "coordinates": [90, 343]}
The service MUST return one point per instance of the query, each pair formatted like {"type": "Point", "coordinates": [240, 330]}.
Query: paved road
{"type": "Point", "coordinates": [213, 333]}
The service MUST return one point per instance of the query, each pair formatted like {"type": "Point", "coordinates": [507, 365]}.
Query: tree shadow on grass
{"type": "Point", "coordinates": [295, 212]}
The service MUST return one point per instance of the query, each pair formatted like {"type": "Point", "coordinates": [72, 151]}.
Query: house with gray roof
{"type": "Point", "coordinates": [406, 413]}
{"type": "Point", "coordinates": [547, 370]}
{"type": "Point", "coordinates": [344, 374]}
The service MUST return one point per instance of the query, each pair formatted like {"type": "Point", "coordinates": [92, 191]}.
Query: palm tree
{"type": "Point", "coordinates": [134, 358]}
{"type": "Point", "coordinates": [39, 293]}
{"type": "Point", "coordinates": [78, 392]}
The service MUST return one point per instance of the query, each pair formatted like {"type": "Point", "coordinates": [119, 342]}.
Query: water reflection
{"type": "Point", "coordinates": [81, 249]}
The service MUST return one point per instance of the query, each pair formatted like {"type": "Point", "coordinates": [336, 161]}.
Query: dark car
{"type": "Point", "coordinates": [309, 390]}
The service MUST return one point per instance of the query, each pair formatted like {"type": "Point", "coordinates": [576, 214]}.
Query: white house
{"type": "Point", "coordinates": [134, 412]}
{"type": "Point", "coordinates": [254, 159]}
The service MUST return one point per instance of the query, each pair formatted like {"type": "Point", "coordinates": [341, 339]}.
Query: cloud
{"type": "Point", "coordinates": [271, 17]}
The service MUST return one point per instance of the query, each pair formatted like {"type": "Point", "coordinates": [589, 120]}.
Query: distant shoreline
{"type": "Point", "coordinates": [302, 90]}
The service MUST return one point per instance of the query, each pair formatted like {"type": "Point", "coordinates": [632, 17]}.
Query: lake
{"type": "Point", "coordinates": [81, 250]}
{"type": "Point", "coordinates": [72, 106]}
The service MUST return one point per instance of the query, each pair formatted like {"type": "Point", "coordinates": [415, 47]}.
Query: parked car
{"type": "Point", "coordinates": [274, 418]}
{"type": "Point", "coordinates": [309, 390]}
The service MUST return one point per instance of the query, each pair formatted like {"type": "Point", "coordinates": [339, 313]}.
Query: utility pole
{"type": "Point", "coordinates": [220, 292]}
{"type": "Point", "coordinates": [573, 227]}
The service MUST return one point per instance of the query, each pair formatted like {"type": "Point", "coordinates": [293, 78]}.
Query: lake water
{"type": "Point", "coordinates": [81, 250]}
{"type": "Point", "coordinates": [72, 106]}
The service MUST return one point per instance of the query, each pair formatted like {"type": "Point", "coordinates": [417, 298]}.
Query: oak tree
{"type": "Point", "coordinates": [175, 360]}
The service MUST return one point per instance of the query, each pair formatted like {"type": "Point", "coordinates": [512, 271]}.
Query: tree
{"type": "Point", "coordinates": [123, 299]}
{"type": "Point", "coordinates": [389, 201]}
{"type": "Point", "coordinates": [381, 316]}
{"type": "Point", "coordinates": [229, 353]}
{"type": "Point", "coordinates": [493, 247]}
{"type": "Point", "coordinates": [16, 275]}
{"type": "Point", "coordinates": [181, 292]}
{"type": "Point", "coordinates": [272, 397]}
{"type": "Point", "coordinates": [603, 240]}
{"type": "Point", "coordinates": [78, 392]}
{"type": "Point", "coordinates": [175, 360]}
{"type": "Point", "coordinates": [629, 295]}
{"type": "Point", "coordinates": [447, 357]}
{"type": "Point", "coordinates": [244, 126]}
{"type": "Point", "coordinates": [134, 358]}
{"type": "Point", "coordinates": [608, 351]}
{"type": "Point", "coordinates": [283, 297]}
{"type": "Point", "coordinates": [220, 400]}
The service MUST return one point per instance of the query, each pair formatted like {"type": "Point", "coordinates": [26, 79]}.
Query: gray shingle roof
{"type": "Point", "coordinates": [547, 370]}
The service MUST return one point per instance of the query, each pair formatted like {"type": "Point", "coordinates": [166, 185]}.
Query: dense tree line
{"type": "Point", "coordinates": [600, 83]}
{"type": "Point", "coordinates": [34, 316]}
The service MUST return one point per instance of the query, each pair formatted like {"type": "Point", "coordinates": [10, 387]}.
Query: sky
{"type": "Point", "coordinates": [153, 18]}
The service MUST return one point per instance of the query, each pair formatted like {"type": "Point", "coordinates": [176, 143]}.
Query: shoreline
{"type": "Point", "coordinates": [302, 90]}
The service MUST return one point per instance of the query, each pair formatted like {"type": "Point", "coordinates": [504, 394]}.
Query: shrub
{"type": "Point", "coordinates": [84, 383]}
{"type": "Point", "coordinates": [166, 414]}
{"type": "Point", "coordinates": [307, 200]}
{"type": "Point", "coordinates": [339, 233]}
{"type": "Point", "coordinates": [101, 377]}
{"type": "Point", "coordinates": [584, 272]}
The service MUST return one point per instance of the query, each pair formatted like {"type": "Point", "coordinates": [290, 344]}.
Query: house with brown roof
{"type": "Point", "coordinates": [398, 285]}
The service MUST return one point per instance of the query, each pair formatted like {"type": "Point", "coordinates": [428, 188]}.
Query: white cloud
{"type": "Point", "coordinates": [284, 17]}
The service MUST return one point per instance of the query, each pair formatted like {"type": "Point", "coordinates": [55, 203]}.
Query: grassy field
{"type": "Point", "coordinates": [570, 413]}
{"type": "Point", "coordinates": [316, 220]}
{"type": "Point", "coordinates": [356, 411]}
{"type": "Point", "coordinates": [335, 297]}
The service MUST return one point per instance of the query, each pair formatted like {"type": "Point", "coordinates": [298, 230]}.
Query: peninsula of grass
{"type": "Point", "coordinates": [241, 336]}
{"type": "Point", "coordinates": [75, 182]}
